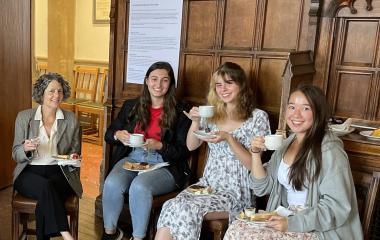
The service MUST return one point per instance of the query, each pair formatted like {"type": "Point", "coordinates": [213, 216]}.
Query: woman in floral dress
{"type": "Point", "coordinates": [310, 175]}
{"type": "Point", "coordinates": [235, 122]}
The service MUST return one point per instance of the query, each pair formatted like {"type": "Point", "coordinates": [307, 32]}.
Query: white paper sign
{"type": "Point", "coordinates": [154, 35]}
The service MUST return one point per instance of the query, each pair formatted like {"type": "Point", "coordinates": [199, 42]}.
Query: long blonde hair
{"type": "Point", "coordinates": [246, 101]}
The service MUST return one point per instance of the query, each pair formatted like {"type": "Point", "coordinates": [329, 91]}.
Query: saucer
{"type": "Point", "coordinates": [136, 145]}
{"type": "Point", "coordinates": [201, 134]}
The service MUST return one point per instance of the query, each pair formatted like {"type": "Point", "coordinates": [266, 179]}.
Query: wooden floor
{"type": "Point", "coordinates": [90, 227]}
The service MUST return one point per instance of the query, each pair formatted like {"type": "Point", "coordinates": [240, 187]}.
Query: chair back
{"type": "Point", "coordinates": [367, 192]}
{"type": "Point", "coordinates": [42, 68]}
{"type": "Point", "coordinates": [99, 98]}
{"type": "Point", "coordinates": [85, 82]}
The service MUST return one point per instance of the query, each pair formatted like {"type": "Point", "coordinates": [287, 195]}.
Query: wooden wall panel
{"type": "Point", "coordinates": [244, 62]}
{"type": "Point", "coordinates": [239, 24]}
{"type": "Point", "coordinates": [282, 24]}
{"type": "Point", "coordinates": [269, 83]}
{"type": "Point", "coordinates": [196, 77]}
{"type": "Point", "coordinates": [16, 75]}
{"type": "Point", "coordinates": [202, 20]}
{"type": "Point", "coordinates": [356, 31]}
{"type": "Point", "coordinates": [353, 94]}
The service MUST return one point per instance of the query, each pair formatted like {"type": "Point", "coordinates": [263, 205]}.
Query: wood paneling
{"type": "Point", "coordinates": [282, 31]}
{"type": "Point", "coordinates": [16, 75]}
{"type": "Point", "coordinates": [352, 94]}
{"type": "Point", "coordinates": [364, 55]}
{"type": "Point", "coordinates": [202, 21]}
{"type": "Point", "coordinates": [269, 83]}
{"type": "Point", "coordinates": [239, 29]}
{"type": "Point", "coordinates": [352, 84]}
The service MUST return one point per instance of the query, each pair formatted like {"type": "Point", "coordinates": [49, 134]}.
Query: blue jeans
{"type": "Point", "coordinates": [140, 188]}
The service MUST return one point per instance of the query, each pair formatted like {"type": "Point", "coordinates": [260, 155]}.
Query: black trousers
{"type": "Point", "coordinates": [47, 185]}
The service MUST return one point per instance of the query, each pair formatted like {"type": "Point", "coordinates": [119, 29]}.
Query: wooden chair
{"type": "Point", "coordinates": [91, 114]}
{"type": "Point", "coordinates": [367, 193]}
{"type": "Point", "coordinates": [84, 86]}
{"type": "Point", "coordinates": [42, 68]}
{"type": "Point", "coordinates": [23, 207]}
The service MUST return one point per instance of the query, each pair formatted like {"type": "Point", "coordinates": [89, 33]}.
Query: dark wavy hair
{"type": "Point", "coordinates": [141, 112]}
{"type": "Point", "coordinates": [43, 81]}
{"type": "Point", "coordinates": [312, 142]}
{"type": "Point", "coordinates": [245, 97]}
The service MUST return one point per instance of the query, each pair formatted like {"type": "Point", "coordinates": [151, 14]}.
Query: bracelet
{"type": "Point", "coordinates": [254, 151]}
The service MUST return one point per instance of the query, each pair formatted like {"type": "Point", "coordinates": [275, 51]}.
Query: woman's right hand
{"type": "Point", "coordinates": [193, 114]}
{"type": "Point", "coordinates": [122, 136]}
{"type": "Point", "coordinates": [29, 145]}
{"type": "Point", "coordinates": [257, 144]}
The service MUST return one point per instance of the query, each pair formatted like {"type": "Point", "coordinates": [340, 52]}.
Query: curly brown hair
{"type": "Point", "coordinates": [43, 81]}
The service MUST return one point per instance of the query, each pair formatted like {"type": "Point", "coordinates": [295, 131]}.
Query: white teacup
{"type": "Point", "coordinates": [136, 139]}
{"type": "Point", "coordinates": [206, 111]}
{"type": "Point", "coordinates": [273, 142]}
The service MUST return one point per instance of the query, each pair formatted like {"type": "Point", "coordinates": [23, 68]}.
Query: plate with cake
{"type": "Point", "coordinates": [373, 135]}
{"type": "Point", "coordinates": [199, 190]}
{"type": "Point", "coordinates": [143, 166]}
{"type": "Point", "coordinates": [68, 159]}
{"type": "Point", "coordinates": [259, 219]}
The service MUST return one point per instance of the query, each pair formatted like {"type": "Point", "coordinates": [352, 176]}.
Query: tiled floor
{"type": "Point", "coordinates": [92, 156]}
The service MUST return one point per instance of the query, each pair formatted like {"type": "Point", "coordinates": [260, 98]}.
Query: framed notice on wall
{"type": "Point", "coordinates": [101, 13]}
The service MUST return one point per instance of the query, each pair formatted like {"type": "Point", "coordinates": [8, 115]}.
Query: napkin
{"type": "Point", "coordinates": [342, 127]}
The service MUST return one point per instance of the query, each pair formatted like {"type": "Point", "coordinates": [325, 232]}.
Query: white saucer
{"type": "Point", "coordinates": [248, 220]}
{"type": "Point", "coordinates": [368, 135]}
{"type": "Point", "coordinates": [201, 134]}
{"type": "Point", "coordinates": [136, 146]}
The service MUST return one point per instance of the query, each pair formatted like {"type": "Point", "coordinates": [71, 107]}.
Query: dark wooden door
{"type": "Point", "coordinates": [15, 72]}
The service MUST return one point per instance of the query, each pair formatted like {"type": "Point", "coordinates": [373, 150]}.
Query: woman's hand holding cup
{"type": "Point", "coordinates": [123, 136]}
{"type": "Point", "coordinates": [257, 145]}
{"type": "Point", "coordinates": [30, 145]}
{"type": "Point", "coordinates": [193, 114]}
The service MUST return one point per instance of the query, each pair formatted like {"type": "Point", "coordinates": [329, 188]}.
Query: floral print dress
{"type": "Point", "coordinates": [227, 177]}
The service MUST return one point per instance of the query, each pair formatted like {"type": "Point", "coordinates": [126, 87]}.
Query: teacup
{"type": "Point", "coordinates": [273, 142]}
{"type": "Point", "coordinates": [206, 111]}
{"type": "Point", "coordinates": [136, 139]}
{"type": "Point", "coordinates": [249, 212]}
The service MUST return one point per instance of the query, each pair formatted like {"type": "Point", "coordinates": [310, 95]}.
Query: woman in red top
{"type": "Point", "coordinates": [158, 116]}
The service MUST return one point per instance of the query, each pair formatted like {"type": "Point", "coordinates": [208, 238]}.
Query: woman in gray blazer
{"type": "Point", "coordinates": [41, 133]}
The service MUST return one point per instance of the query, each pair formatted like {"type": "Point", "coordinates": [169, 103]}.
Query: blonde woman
{"type": "Point", "coordinates": [235, 122]}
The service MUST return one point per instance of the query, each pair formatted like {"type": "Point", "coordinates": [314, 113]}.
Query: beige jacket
{"type": "Point", "coordinates": [68, 135]}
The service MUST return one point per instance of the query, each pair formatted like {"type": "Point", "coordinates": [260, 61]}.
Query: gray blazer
{"type": "Point", "coordinates": [68, 135]}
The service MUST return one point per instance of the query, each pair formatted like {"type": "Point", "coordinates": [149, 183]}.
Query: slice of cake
{"type": "Point", "coordinates": [376, 133]}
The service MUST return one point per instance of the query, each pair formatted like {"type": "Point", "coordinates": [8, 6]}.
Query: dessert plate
{"type": "Point", "coordinates": [246, 219]}
{"type": "Point", "coordinates": [199, 190]}
{"type": "Point", "coordinates": [368, 135]}
{"type": "Point", "coordinates": [147, 168]}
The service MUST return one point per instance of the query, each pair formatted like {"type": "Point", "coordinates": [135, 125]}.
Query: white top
{"type": "Point", "coordinates": [47, 146]}
{"type": "Point", "coordinates": [295, 198]}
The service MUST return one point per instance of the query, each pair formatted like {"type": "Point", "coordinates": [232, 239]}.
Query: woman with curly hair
{"type": "Point", "coordinates": [40, 134]}
{"type": "Point", "coordinates": [158, 116]}
{"type": "Point", "coordinates": [235, 122]}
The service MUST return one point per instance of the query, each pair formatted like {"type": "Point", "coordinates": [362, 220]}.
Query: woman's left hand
{"type": "Point", "coordinates": [152, 143]}
{"type": "Point", "coordinates": [279, 223]}
{"type": "Point", "coordinates": [220, 136]}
